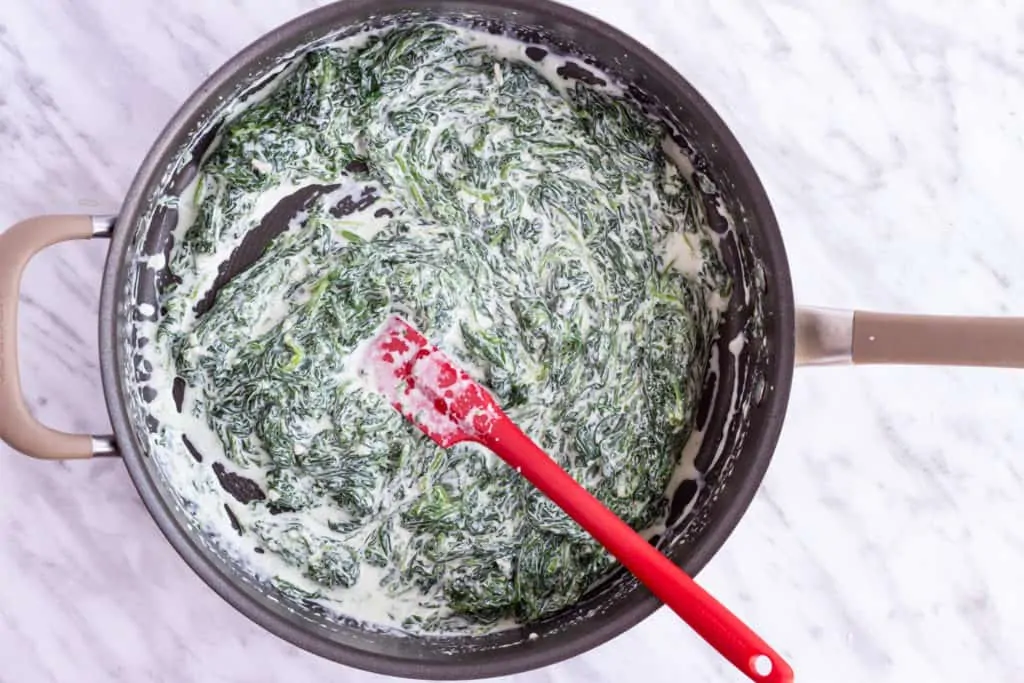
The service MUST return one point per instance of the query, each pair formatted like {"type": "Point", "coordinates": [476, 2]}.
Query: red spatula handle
{"type": "Point", "coordinates": [709, 618]}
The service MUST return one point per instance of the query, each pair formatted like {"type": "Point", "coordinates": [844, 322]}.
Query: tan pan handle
{"type": "Point", "coordinates": [18, 427]}
{"type": "Point", "coordinates": [834, 337]}
{"type": "Point", "coordinates": [938, 340]}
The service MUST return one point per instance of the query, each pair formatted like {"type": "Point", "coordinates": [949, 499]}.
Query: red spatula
{"type": "Point", "coordinates": [423, 384]}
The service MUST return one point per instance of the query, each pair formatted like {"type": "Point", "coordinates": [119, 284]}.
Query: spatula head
{"type": "Point", "coordinates": [426, 386]}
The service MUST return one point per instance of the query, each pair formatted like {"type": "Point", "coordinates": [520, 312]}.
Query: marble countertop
{"type": "Point", "coordinates": [885, 544]}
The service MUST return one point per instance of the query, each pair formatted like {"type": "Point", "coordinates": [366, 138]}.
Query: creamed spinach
{"type": "Point", "coordinates": [535, 230]}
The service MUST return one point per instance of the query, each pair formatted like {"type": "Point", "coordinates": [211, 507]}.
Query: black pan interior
{"type": "Point", "coordinates": [743, 398]}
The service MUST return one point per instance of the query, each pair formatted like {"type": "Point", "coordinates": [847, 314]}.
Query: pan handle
{"type": "Point", "coordinates": [827, 336]}
{"type": "Point", "coordinates": [18, 427]}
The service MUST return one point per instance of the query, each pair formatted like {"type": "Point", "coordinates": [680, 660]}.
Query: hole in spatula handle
{"type": "Point", "coordinates": [761, 665]}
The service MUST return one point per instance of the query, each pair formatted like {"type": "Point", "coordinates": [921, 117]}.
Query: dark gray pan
{"type": "Point", "coordinates": [744, 400]}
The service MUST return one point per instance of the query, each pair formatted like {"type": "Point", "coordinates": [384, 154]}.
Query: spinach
{"type": "Point", "coordinates": [518, 225]}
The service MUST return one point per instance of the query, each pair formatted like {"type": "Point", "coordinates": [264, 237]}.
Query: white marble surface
{"type": "Point", "coordinates": [886, 544]}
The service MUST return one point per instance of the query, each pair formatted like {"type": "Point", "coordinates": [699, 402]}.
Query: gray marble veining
{"type": "Point", "coordinates": [885, 545]}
